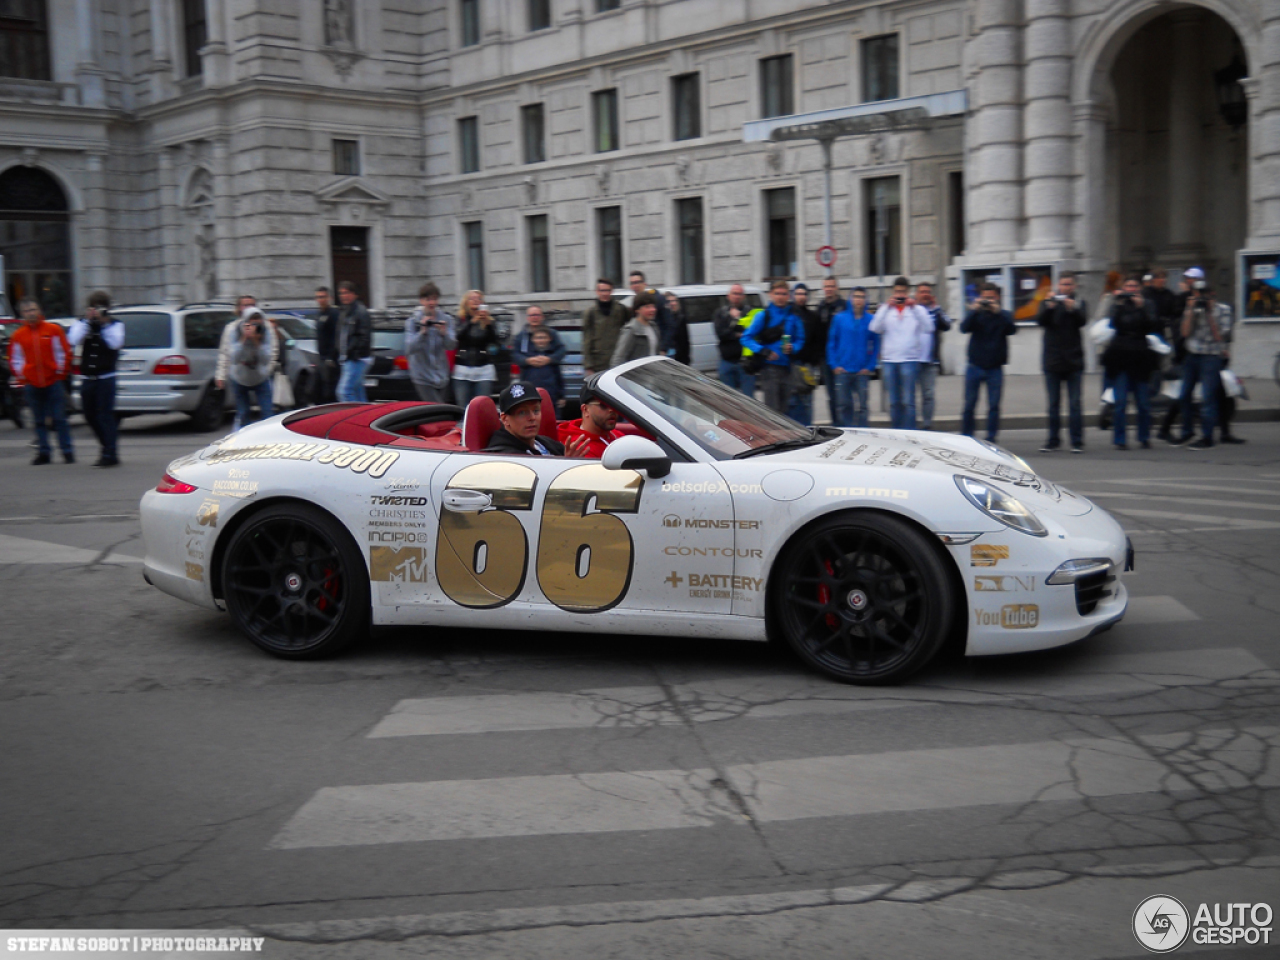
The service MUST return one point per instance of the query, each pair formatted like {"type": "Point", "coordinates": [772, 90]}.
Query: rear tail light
{"type": "Point", "coordinates": [402, 363]}
{"type": "Point", "coordinates": [75, 367]}
{"type": "Point", "coordinates": [515, 370]}
{"type": "Point", "coordinates": [176, 364]}
{"type": "Point", "coordinates": [170, 484]}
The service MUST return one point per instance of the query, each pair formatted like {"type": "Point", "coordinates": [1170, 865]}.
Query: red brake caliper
{"type": "Point", "coordinates": [328, 588]}
{"type": "Point", "coordinates": [824, 594]}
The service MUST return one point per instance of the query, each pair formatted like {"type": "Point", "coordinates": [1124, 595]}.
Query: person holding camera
{"type": "Point", "coordinates": [1129, 360]}
{"type": "Point", "coordinates": [100, 337]}
{"type": "Point", "coordinates": [474, 372]}
{"type": "Point", "coordinates": [1063, 316]}
{"type": "Point", "coordinates": [901, 324]}
{"type": "Point", "coordinates": [245, 358]}
{"type": "Point", "coordinates": [426, 344]}
{"type": "Point", "coordinates": [1206, 333]}
{"type": "Point", "coordinates": [989, 328]}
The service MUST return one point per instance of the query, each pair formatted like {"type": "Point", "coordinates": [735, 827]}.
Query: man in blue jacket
{"type": "Point", "coordinates": [852, 353]}
{"type": "Point", "coordinates": [989, 328]}
{"type": "Point", "coordinates": [776, 334]}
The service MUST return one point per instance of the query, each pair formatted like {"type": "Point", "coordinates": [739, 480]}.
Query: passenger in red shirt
{"type": "Point", "coordinates": [596, 426]}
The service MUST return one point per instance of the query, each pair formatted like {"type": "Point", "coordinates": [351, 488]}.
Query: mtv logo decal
{"type": "Point", "coordinates": [398, 564]}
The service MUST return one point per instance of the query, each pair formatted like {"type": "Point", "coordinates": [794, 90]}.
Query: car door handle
{"type": "Point", "coordinates": [466, 501]}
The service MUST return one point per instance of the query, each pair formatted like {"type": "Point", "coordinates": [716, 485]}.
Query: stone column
{"type": "Point", "coordinates": [1048, 129]}
{"type": "Point", "coordinates": [1186, 141]}
{"type": "Point", "coordinates": [89, 73]}
{"type": "Point", "coordinates": [995, 134]}
{"type": "Point", "coordinates": [1091, 120]}
{"type": "Point", "coordinates": [224, 224]}
{"type": "Point", "coordinates": [161, 58]}
{"type": "Point", "coordinates": [1263, 90]}
{"type": "Point", "coordinates": [214, 57]}
{"type": "Point", "coordinates": [171, 246]}
{"type": "Point", "coordinates": [95, 239]}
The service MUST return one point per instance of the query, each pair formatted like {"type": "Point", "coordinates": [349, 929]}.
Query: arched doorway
{"type": "Point", "coordinates": [1177, 161]}
{"type": "Point", "coordinates": [35, 240]}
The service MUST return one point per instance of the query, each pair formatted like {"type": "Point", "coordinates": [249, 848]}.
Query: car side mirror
{"type": "Point", "coordinates": [636, 453]}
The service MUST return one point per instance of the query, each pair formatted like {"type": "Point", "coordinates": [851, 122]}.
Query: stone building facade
{"type": "Point", "coordinates": [204, 147]}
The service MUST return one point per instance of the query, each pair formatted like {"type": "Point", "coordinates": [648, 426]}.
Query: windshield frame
{"type": "Point", "coordinates": [628, 382]}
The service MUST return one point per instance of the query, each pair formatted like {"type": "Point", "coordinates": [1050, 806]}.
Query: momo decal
{"type": "Point", "coordinates": [373, 461]}
{"type": "Point", "coordinates": [867, 492]}
{"type": "Point", "coordinates": [985, 583]}
{"type": "Point", "coordinates": [398, 564]}
{"type": "Point", "coordinates": [987, 554]}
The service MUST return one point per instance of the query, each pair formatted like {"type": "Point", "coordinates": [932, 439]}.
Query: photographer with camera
{"type": "Point", "coordinates": [989, 327]}
{"type": "Point", "coordinates": [426, 342]}
{"type": "Point", "coordinates": [1063, 316]}
{"type": "Point", "coordinates": [1129, 360]}
{"type": "Point", "coordinates": [245, 357]}
{"type": "Point", "coordinates": [901, 324]}
{"type": "Point", "coordinates": [1206, 332]}
{"type": "Point", "coordinates": [100, 337]}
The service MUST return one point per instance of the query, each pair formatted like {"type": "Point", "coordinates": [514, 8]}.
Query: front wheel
{"type": "Point", "coordinates": [864, 598]}
{"type": "Point", "coordinates": [294, 581]}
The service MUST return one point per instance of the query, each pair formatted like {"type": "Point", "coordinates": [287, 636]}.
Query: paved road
{"type": "Point", "coordinates": [476, 794]}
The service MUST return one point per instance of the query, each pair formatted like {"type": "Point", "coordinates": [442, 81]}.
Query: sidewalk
{"type": "Point", "coordinates": [1024, 404]}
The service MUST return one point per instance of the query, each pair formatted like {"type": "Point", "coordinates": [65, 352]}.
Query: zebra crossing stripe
{"type": "Point", "coordinates": [24, 551]}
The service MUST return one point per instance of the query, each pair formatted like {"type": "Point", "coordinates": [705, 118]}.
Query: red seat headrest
{"type": "Point", "coordinates": [480, 423]}
{"type": "Point", "coordinates": [549, 426]}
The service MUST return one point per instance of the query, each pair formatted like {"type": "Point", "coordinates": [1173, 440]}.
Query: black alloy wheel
{"type": "Point", "coordinates": [863, 597]}
{"type": "Point", "coordinates": [294, 581]}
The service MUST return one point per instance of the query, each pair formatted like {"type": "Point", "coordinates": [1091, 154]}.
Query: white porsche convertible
{"type": "Point", "coordinates": [713, 516]}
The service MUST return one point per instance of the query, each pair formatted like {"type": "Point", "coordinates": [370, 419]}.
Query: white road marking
{"type": "Point", "coordinates": [1144, 610]}
{"type": "Point", "coordinates": [1149, 497]}
{"type": "Point", "coordinates": [23, 551]}
{"type": "Point", "coordinates": [781, 790]}
{"type": "Point", "coordinates": [1184, 485]}
{"type": "Point", "coordinates": [1229, 523]}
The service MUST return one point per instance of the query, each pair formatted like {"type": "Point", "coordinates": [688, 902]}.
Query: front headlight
{"type": "Point", "coordinates": [1001, 451]}
{"type": "Point", "coordinates": [998, 505]}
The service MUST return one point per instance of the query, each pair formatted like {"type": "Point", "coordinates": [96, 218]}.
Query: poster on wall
{"type": "Point", "coordinates": [1031, 285]}
{"type": "Point", "coordinates": [972, 278]}
{"type": "Point", "coordinates": [1261, 275]}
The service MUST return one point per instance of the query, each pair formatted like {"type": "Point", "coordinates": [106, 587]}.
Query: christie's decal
{"type": "Point", "coordinates": [369, 460]}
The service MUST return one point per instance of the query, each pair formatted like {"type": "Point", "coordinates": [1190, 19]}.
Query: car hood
{"type": "Point", "coordinates": [918, 450]}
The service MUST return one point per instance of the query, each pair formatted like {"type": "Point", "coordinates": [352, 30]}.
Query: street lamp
{"type": "Point", "coordinates": [1231, 98]}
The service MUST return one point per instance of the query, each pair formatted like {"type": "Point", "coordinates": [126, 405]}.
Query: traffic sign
{"type": "Point", "coordinates": [826, 257]}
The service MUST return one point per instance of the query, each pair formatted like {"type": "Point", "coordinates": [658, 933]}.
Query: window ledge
{"type": "Point", "coordinates": [45, 91]}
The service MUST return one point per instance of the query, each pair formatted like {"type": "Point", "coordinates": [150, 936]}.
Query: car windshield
{"type": "Point", "coordinates": [384, 339]}
{"type": "Point", "coordinates": [724, 422]}
{"type": "Point", "coordinates": [572, 340]}
{"type": "Point", "coordinates": [147, 330]}
{"type": "Point", "coordinates": [296, 327]}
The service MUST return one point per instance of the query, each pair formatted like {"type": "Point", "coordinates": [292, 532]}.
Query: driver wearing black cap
{"type": "Point", "coordinates": [520, 410]}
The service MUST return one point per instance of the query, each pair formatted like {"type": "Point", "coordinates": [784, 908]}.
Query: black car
{"type": "Point", "coordinates": [387, 378]}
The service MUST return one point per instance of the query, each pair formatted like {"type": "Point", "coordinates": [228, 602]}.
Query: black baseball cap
{"type": "Point", "coordinates": [516, 394]}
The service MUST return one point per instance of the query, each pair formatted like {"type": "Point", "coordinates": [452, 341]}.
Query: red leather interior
{"type": "Point", "coordinates": [437, 429]}
{"type": "Point", "coordinates": [480, 423]}
{"type": "Point", "coordinates": [627, 428]}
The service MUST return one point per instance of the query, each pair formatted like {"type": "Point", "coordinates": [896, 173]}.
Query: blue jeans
{"type": "Point", "coordinates": [900, 383]}
{"type": "Point", "coordinates": [801, 409]}
{"type": "Point", "coordinates": [98, 402]}
{"type": "Point", "coordinates": [244, 402]}
{"type": "Point", "coordinates": [351, 380]}
{"type": "Point", "coordinates": [851, 399]}
{"type": "Point", "coordinates": [731, 374]}
{"type": "Point", "coordinates": [1141, 388]}
{"type": "Point", "coordinates": [1207, 370]}
{"type": "Point", "coordinates": [1075, 416]}
{"type": "Point", "coordinates": [465, 390]}
{"type": "Point", "coordinates": [50, 403]}
{"type": "Point", "coordinates": [927, 377]}
{"type": "Point", "coordinates": [974, 377]}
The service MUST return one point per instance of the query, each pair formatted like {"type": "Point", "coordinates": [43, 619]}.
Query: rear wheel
{"type": "Point", "coordinates": [294, 581]}
{"type": "Point", "coordinates": [209, 414]}
{"type": "Point", "coordinates": [864, 598]}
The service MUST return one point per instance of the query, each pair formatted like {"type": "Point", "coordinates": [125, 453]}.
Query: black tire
{"type": "Point", "coordinates": [294, 582]}
{"type": "Point", "coordinates": [863, 598]}
{"type": "Point", "coordinates": [210, 412]}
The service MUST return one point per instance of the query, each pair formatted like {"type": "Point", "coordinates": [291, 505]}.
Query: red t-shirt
{"type": "Point", "coordinates": [571, 429]}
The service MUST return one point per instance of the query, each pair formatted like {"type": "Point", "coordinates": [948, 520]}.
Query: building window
{"type": "Point", "coordinates": [468, 145]}
{"type": "Point", "coordinates": [775, 87]}
{"type": "Point", "coordinates": [686, 107]}
{"type": "Point", "coordinates": [470, 22]}
{"type": "Point", "coordinates": [609, 230]}
{"type": "Point", "coordinates": [24, 40]}
{"type": "Point", "coordinates": [473, 235]}
{"type": "Point", "coordinates": [882, 213]}
{"type": "Point", "coordinates": [539, 14]}
{"type": "Point", "coordinates": [539, 254]}
{"type": "Point", "coordinates": [955, 199]}
{"type": "Point", "coordinates": [689, 214]}
{"type": "Point", "coordinates": [604, 5]}
{"type": "Point", "coordinates": [780, 209]}
{"type": "Point", "coordinates": [35, 240]}
{"type": "Point", "coordinates": [604, 111]}
{"type": "Point", "coordinates": [532, 128]}
{"type": "Point", "coordinates": [346, 158]}
{"type": "Point", "coordinates": [880, 68]}
{"type": "Point", "coordinates": [194, 35]}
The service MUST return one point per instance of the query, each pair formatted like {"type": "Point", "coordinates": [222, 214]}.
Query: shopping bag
{"type": "Point", "coordinates": [1232, 386]}
{"type": "Point", "coordinates": [281, 392]}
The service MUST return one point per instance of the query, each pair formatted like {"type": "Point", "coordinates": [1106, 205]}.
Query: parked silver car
{"type": "Point", "coordinates": [700, 303]}
{"type": "Point", "coordinates": [168, 361]}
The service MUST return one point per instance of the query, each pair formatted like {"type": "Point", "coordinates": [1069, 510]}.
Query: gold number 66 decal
{"type": "Point", "coordinates": [585, 553]}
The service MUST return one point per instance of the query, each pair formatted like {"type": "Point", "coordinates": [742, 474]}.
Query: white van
{"type": "Point", "coordinates": [700, 303]}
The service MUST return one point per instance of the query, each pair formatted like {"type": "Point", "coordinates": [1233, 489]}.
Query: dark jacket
{"type": "Point", "coordinates": [327, 333]}
{"type": "Point", "coordinates": [725, 325]}
{"type": "Point", "coordinates": [355, 332]}
{"type": "Point", "coordinates": [815, 336]}
{"type": "Point", "coordinates": [679, 340]}
{"type": "Point", "coordinates": [523, 348]}
{"type": "Point", "coordinates": [988, 341]}
{"type": "Point", "coordinates": [600, 326]}
{"type": "Point", "coordinates": [941, 322]}
{"type": "Point", "coordinates": [1128, 351]}
{"type": "Point", "coordinates": [1063, 348]}
{"type": "Point", "coordinates": [477, 345]}
{"type": "Point", "coordinates": [503, 442]}
{"type": "Point", "coordinates": [1164, 304]}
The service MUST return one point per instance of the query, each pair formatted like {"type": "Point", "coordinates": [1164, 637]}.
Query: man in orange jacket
{"type": "Point", "coordinates": [40, 358]}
